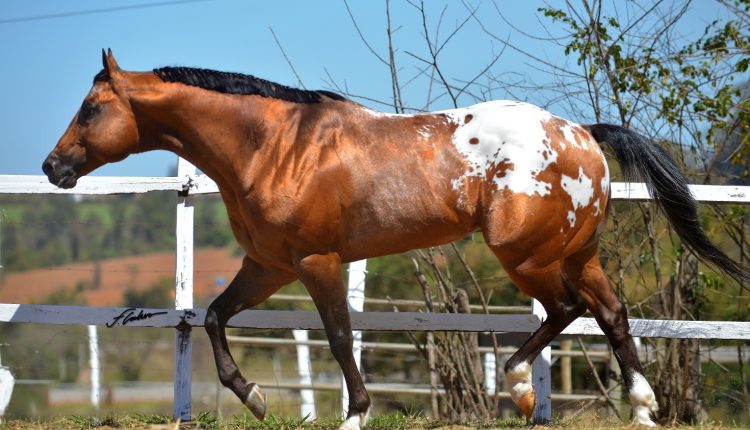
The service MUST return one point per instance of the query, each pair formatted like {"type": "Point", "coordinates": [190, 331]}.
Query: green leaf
{"type": "Point", "coordinates": [743, 64]}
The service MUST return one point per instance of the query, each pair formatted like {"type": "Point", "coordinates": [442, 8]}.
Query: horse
{"type": "Point", "coordinates": [312, 180]}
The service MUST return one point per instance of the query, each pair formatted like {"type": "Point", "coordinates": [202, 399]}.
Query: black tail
{"type": "Point", "coordinates": [643, 160]}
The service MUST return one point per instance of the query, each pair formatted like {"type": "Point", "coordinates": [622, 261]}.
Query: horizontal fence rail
{"type": "Point", "coordinates": [409, 389]}
{"type": "Point", "coordinates": [408, 303]}
{"type": "Point", "coordinates": [402, 347]}
{"type": "Point", "coordinates": [202, 184]}
{"type": "Point", "coordinates": [66, 393]}
{"type": "Point", "coordinates": [367, 321]}
{"type": "Point", "coordinates": [11, 184]}
{"type": "Point", "coordinates": [598, 352]}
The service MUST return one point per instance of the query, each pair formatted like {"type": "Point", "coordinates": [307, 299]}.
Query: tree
{"type": "Point", "coordinates": [641, 78]}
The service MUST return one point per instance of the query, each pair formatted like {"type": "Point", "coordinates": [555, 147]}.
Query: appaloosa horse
{"type": "Point", "coordinates": [312, 180]}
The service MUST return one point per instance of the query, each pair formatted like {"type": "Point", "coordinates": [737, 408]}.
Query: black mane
{"type": "Point", "coordinates": [237, 83]}
{"type": "Point", "coordinates": [102, 76]}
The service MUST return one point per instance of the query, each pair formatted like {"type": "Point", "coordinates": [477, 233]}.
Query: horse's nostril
{"type": "Point", "coordinates": [48, 167]}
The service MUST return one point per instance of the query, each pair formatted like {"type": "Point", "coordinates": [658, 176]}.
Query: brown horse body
{"type": "Point", "coordinates": [311, 180]}
{"type": "Point", "coordinates": [337, 177]}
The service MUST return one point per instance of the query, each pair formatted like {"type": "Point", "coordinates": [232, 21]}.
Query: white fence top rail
{"type": "Point", "coordinates": [22, 184]}
{"type": "Point", "coordinates": [202, 184]}
{"type": "Point", "coordinates": [702, 193]}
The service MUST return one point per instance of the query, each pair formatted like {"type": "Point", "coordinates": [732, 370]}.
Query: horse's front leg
{"type": "Point", "coordinates": [252, 285]}
{"type": "Point", "coordinates": [321, 275]}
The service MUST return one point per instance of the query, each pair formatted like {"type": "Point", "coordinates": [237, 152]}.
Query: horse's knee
{"type": "Point", "coordinates": [214, 324]}
{"type": "Point", "coordinates": [211, 322]}
{"type": "Point", "coordinates": [340, 341]}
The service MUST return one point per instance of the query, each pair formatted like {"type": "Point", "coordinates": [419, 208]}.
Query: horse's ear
{"type": "Point", "coordinates": [109, 63]}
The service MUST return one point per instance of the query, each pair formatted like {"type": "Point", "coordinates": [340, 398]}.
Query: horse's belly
{"type": "Point", "coordinates": [393, 231]}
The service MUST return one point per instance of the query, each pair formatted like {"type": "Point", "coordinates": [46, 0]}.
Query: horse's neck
{"type": "Point", "coordinates": [217, 136]}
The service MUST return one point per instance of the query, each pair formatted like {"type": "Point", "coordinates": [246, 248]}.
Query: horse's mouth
{"type": "Point", "coordinates": [60, 175]}
{"type": "Point", "coordinates": [67, 182]}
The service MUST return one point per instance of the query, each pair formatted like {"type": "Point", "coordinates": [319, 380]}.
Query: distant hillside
{"type": "Point", "coordinates": [115, 277]}
{"type": "Point", "coordinates": [52, 230]}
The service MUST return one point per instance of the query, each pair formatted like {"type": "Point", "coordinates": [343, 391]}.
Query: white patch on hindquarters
{"type": "Point", "coordinates": [571, 218]}
{"type": "Point", "coordinates": [519, 380]}
{"type": "Point", "coordinates": [356, 422]}
{"type": "Point", "coordinates": [580, 191]}
{"type": "Point", "coordinates": [505, 132]}
{"type": "Point", "coordinates": [425, 132]}
{"type": "Point", "coordinates": [643, 400]}
{"type": "Point", "coordinates": [567, 131]}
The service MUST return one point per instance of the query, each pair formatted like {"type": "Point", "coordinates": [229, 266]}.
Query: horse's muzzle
{"type": "Point", "coordinates": [58, 174]}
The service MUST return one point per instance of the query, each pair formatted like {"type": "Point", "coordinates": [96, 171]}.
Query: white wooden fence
{"type": "Point", "coordinates": [183, 317]}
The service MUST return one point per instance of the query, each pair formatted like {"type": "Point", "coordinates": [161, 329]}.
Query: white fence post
{"type": "Point", "coordinates": [7, 382]}
{"type": "Point", "coordinates": [541, 374]}
{"type": "Point", "coordinates": [183, 297]}
{"type": "Point", "coordinates": [304, 370]}
{"type": "Point", "coordinates": [490, 371]}
{"type": "Point", "coordinates": [356, 299]}
{"type": "Point", "coordinates": [94, 367]}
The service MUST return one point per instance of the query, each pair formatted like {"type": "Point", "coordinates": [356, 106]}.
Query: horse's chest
{"type": "Point", "coordinates": [250, 224]}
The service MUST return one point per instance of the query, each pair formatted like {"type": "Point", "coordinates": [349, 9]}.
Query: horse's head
{"type": "Point", "coordinates": [103, 131]}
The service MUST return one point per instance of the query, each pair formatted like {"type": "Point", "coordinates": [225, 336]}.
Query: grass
{"type": "Point", "coordinates": [207, 420]}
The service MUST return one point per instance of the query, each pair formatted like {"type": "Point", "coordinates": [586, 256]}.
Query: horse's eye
{"type": "Point", "coordinates": [86, 113]}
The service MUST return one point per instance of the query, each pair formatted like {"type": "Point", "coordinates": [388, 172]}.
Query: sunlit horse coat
{"type": "Point", "coordinates": [312, 180]}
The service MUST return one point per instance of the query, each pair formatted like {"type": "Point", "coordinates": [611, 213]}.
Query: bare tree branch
{"type": "Point", "coordinates": [362, 36]}
{"type": "Point", "coordinates": [288, 61]}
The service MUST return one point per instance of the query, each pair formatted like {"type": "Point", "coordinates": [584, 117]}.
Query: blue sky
{"type": "Point", "coordinates": [48, 64]}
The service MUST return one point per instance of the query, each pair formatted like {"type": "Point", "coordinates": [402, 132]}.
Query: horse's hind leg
{"type": "Point", "coordinates": [563, 305]}
{"type": "Point", "coordinates": [251, 286]}
{"type": "Point", "coordinates": [321, 275]}
{"type": "Point", "coordinates": [585, 272]}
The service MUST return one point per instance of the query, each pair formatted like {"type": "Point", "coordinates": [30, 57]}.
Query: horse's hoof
{"type": "Point", "coordinates": [256, 401]}
{"type": "Point", "coordinates": [642, 415]}
{"type": "Point", "coordinates": [644, 422]}
{"type": "Point", "coordinates": [526, 404]}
